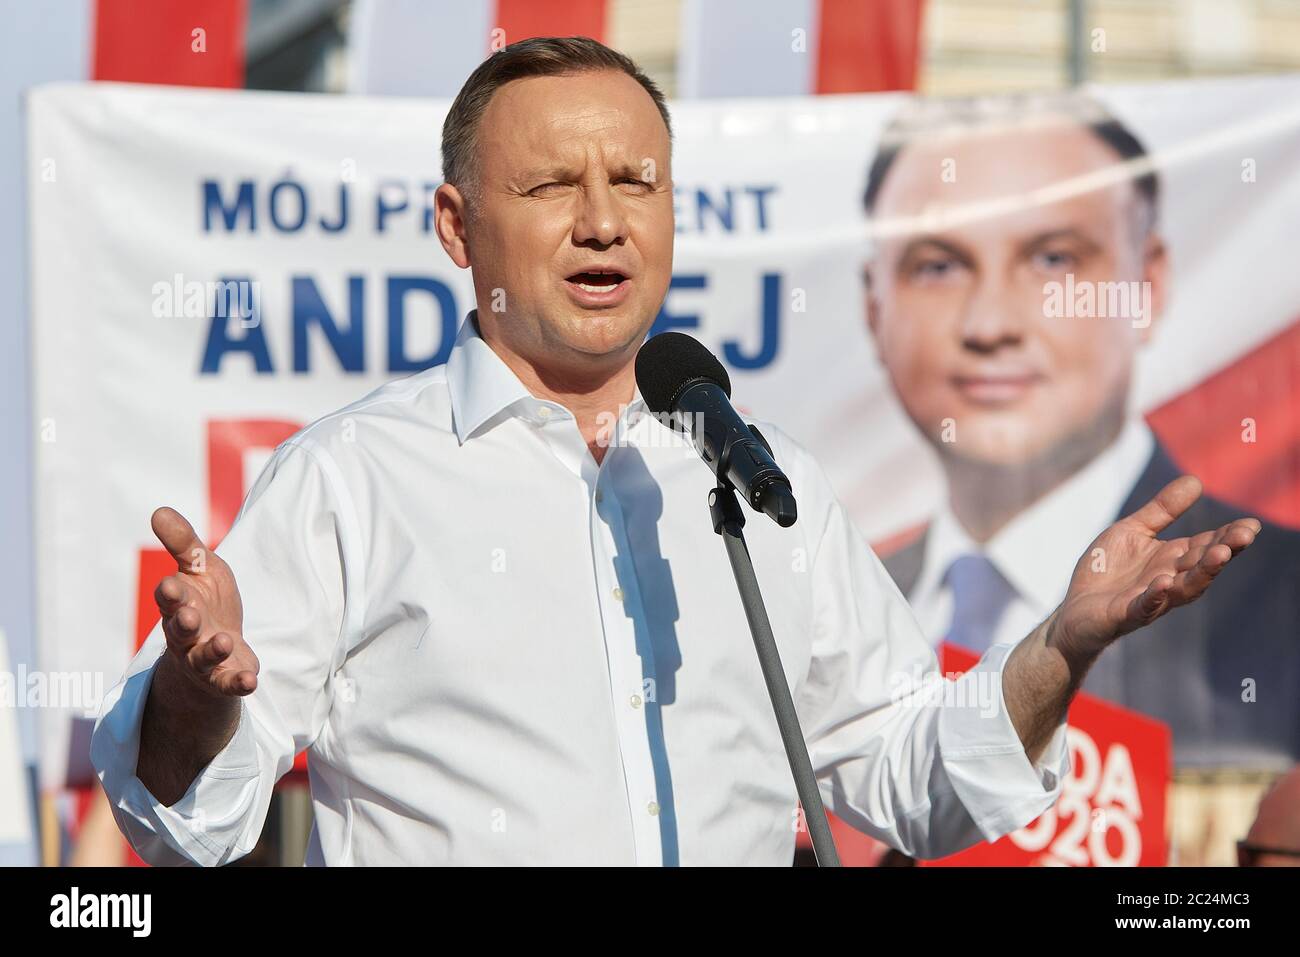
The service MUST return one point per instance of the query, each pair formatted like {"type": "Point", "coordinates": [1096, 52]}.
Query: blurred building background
{"type": "Point", "coordinates": [967, 46]}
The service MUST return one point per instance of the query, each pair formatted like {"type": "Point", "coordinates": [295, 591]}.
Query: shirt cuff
{"type": "Point", "coordinates": [984, 758]}
{"type": "Point", "coordinates": [202, 827]}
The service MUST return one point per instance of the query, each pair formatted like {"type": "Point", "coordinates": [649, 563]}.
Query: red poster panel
{"type": "Point", "coordinates": [865, 47]}
{"type": "Point", "coordinates": [1112, 807]}
{"type": "Point", "coordinates": [524, 19]}
{"type": "Point", "coordinates": [1111, 811]}
{"type": "Point", "coordinates": [195, 43]}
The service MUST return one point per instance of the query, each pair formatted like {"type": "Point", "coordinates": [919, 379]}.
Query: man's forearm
{"type": "Point", "coordinates": [181, 732]}
{"type": "Point", "coordinates": [1038, 683]}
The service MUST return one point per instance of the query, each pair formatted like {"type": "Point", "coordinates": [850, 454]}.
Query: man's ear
{"type": "Point", "coordinates": [870, 304]}
{"type": "Point", "coordinates": [450, 214]}
{"type": "Point", "coordinates": [1155, 271]}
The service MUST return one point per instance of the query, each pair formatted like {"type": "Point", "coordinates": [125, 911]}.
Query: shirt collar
{"type": "Point", "coordinates": [482, 386]}
{"type": "Point", "coordinates": [1034, 547]}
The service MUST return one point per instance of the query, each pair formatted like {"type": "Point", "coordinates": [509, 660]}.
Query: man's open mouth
{"type": "Point", "coordinates": [596, 281]}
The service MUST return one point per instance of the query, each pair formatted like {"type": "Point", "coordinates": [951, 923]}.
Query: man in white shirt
{"type": "Point", "coordinates": [488, 601]}
{"type": "Point", "coordinates": [1028, 409]}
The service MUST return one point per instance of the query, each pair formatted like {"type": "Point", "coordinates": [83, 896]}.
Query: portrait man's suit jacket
{"type": "Point", "coordinates": [1224, 672]}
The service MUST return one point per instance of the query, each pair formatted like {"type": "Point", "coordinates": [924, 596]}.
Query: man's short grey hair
{"type": "Point", "coordinates": [958, 116]}
{"type": "Point", "coordinates": [540, 56]}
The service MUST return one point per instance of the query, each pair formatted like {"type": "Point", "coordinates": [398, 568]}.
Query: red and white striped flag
{"type": "Point", "coordinates": [422, 48]}
{"type": "Point", "coordinates": [797, 47]}
{"type": "Point", "coordinates": [727, 47]}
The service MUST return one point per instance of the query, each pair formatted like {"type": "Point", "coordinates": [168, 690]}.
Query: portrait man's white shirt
{"type": "Point", "coordinates": [1036, 552]}
{"type": "Point", "coordinates": [495, 650]}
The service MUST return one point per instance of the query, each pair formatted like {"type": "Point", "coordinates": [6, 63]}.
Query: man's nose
{"type": "Point", "coordinates": [991, 319]}
{"type": "Point", "coordinates": [600, 216]}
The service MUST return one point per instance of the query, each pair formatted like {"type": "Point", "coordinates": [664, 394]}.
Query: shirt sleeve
{"type": "Point", "coordinates": [287, 552]}
{"type": "Point", "coordinates": [926, 765]}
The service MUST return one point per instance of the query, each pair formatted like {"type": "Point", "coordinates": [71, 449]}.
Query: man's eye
{"type": "Point", "coordinates": [1054, 260]}
{"type": "Point", "coordinates": [935, 268]}
{"type": "Point", "coordinates": [544, 188]}
{"type": "Point", "coordinates": [632, 181]}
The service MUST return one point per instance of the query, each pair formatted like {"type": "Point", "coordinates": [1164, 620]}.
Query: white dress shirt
{"type": "Point", "coordinates": [497, 652]}
{"type": "Point", "coordinates": [1037, 550]}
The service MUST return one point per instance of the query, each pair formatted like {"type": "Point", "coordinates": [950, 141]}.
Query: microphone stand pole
{"type": "Point", "coordinates": [728, 519]}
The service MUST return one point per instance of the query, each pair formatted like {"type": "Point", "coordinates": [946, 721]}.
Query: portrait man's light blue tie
{"type": "Point", "coordinates": [979, 597]}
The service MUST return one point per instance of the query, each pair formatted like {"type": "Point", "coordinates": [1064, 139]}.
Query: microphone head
{"type": "Point", "coordinates": [667, 363]}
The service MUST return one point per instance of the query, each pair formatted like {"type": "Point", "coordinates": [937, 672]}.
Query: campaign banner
{"type": "Point", "coordinates": [1111, 812]}
{"type": "Point", "coordinates": [213, 269]}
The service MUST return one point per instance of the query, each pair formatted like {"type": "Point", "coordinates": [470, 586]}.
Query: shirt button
{"type": "Point", "coordinates": [652, 808]}
{"type": "Point", "coordinates": [544, 411]}
{"type": "Point", "coordinates": [599, 497]}
{"type": "Point", "coordinates": [618, 594]}
{"type": "Point", "coordinates": [636, 701]}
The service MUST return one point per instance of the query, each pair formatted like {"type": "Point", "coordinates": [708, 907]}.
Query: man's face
{"type": "Point", "coordinates": [571, 235]}
{"type": "Point", "coordinates": [959, 312]}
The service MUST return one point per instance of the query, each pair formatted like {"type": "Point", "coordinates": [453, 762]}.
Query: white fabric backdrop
{"type": "Point", "coordinates": [122, 403]}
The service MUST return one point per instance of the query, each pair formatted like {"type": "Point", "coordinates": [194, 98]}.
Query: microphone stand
{"type": "Point", "coordinates": [728, 519]}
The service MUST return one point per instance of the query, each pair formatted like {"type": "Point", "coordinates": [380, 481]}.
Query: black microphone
{"type": "Point", "coordinates": [680, 378]}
